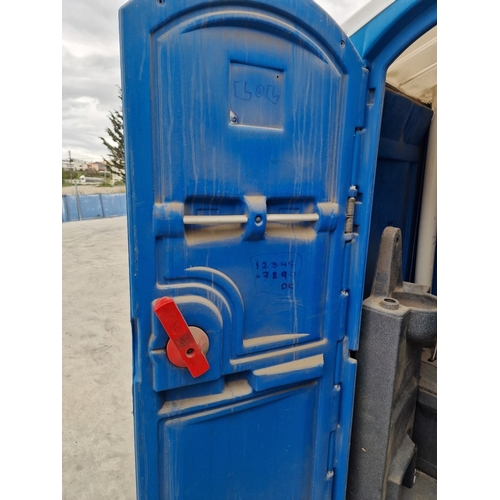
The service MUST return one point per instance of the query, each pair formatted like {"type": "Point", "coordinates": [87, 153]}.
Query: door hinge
{"type": "Point", "coordinates": [332, 445]}
{"type": "Point", "coordinates": [350, 227]}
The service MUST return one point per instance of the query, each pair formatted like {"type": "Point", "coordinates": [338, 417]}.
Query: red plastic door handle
{"type": "Point", "coordinates": [177, 329]}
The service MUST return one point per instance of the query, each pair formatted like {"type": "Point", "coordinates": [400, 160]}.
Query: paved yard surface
{"type": "Point", "coordinates": [92, 189]}
{"type": "Point", "coordinates": [98, 455]}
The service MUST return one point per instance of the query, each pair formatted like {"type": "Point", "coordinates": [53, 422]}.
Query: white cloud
{"type": "Point", "coordinates": [90, 74]}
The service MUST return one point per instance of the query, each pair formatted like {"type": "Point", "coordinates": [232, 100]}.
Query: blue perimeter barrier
{"type": "Point", "coordinates": [92, 206]}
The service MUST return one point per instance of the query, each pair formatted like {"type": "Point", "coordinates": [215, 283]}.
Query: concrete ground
{"type": "Point", "coordinates": [97, 424]}
{"type": "Point", "coordinates": [92, 189]}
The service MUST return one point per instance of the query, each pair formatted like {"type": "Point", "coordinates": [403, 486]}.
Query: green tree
{"type": "Point", "coordinates": [116, 156]}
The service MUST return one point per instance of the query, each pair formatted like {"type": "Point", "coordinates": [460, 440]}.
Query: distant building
{"type": "Point", "coordinates": [75, 164]}
{"type": "Point", "coordinates": [97, 166]}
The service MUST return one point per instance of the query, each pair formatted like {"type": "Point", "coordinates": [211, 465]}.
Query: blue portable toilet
{"type": "Point", "coordinates": [251, 130]}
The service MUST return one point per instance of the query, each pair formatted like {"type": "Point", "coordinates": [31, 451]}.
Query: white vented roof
{"type": "Point", "coordinates": [414, 72]}
{"type": "Point", "coordinates": [351, 15]}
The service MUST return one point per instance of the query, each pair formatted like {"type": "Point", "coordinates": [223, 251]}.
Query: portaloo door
{"type": "Point", "coordinates": [240, 120]}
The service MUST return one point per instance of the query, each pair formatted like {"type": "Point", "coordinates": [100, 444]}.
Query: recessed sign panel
{"type": "Point", "coordinates": [255, 96]}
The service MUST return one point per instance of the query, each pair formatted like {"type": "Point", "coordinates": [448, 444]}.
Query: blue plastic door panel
{"type": "Point", "coordinates": [240, 125]}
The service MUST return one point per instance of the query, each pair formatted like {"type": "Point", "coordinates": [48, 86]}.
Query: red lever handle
{"type": "Point", "coordinates": [177, 329]}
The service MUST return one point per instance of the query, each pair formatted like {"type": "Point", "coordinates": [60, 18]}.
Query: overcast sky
{"type": "Point", "coordinates": [91, 70]}
{"type": "Point", "coordinates": [90, 74]}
